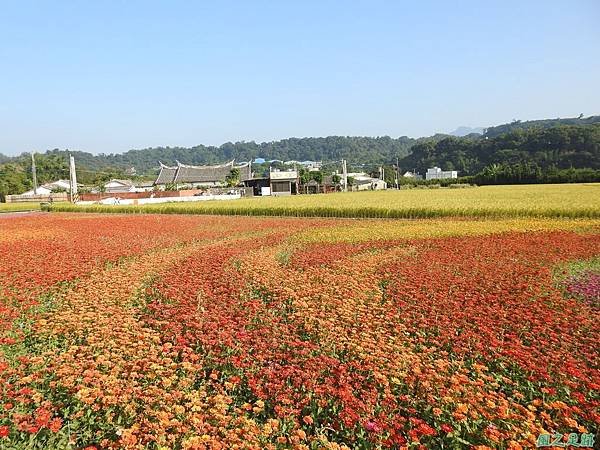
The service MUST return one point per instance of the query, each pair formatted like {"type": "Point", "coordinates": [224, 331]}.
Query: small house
{"type": "Point", "coordinates": [119, 186]}
{"type": "Point", "coordinates": [41, 190]}
{"type": "Point", "coordinates": [48, 188]}
{"type": "Point", "coordinates": [283, 182]}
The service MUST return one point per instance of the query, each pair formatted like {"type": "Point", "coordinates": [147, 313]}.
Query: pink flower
{"type": "Point", "coordinates": [372, 427]}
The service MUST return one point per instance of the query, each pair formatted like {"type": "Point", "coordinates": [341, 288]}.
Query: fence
{"type": "Point", "coordinates": [57, 197]}
{"type": "Point", "coordinates": [88, 197]}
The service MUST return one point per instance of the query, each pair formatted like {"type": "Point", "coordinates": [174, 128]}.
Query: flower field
{"type": "Point", "coordinates": [214, 332]}
{"type": "Point", "coordinates": [552, 201]}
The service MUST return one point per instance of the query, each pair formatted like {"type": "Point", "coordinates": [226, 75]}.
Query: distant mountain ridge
{"type": "Point", "coordinates": [543, 123]}
{"type": "Point", "coordinates": [464, 131]}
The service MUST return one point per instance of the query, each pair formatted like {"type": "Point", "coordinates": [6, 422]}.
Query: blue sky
{"type": "Point", "coordinates": [114, 75]}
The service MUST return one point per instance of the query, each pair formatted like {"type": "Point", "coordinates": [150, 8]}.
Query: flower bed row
{"type": "Point", "coordinates": [211, 332]}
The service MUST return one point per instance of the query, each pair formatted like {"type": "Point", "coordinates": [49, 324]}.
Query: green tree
{"type": "Point", "coordinates": [233, 178]}
{"type": "Point", "coordinates": [13, 179]}
{"type": "Point", "coordinates": [317, 175]}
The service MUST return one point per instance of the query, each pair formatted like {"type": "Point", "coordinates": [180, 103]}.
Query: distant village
{"type": "Point", "coordinates": [227, 180]}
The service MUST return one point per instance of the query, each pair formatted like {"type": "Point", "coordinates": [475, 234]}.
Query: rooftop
{"type": "Point", "coordinates": [184, 173]}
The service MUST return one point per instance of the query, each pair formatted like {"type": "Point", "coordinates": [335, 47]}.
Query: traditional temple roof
{"type": "Point", "coordinates": [184, 173]}
{"type": "Point", "coordinates": [245, 171]}
{"type": "Point", "coordinates": [166, 174]}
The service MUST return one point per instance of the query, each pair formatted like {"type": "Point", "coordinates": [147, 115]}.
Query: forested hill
{"type": "Point", "coordinates": [562, 147]}
{"type": "Point", "coordinates": [545, 123]}
{"type": "Point", "coordinates": [362, 149]}
{"type": "Point", "coordinates": [369, 150]}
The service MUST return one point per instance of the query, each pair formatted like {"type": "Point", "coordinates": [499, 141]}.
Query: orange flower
{"type": "Point", "coordinates": [55, 424]}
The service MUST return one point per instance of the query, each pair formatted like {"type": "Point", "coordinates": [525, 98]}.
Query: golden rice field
{"type": "Point", "coordinates": [564, 200]}
{"type": "Point", "coordinates": [20, 206]}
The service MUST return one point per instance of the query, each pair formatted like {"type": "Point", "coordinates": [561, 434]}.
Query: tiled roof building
{"type": "Point", "coordinates": [203, 175]}
{"type": "Point", "coordinates": [166, 174]}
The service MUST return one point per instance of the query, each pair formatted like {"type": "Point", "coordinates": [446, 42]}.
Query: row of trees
{"type": "Point", "coordinates": [531, 173]}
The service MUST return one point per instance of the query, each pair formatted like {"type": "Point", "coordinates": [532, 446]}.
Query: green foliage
{"type": "Point", "coordinates": [15, 176]}
{"type": "Point", "coordinates": [317, 175]}
{"type": "Point", "coordinates": [530, 173]}
{"type": "Point", "coordinates": [559, 147]}
{"type": "Point", "coordinates": [13, 179]}
{"type": "Point", "coordinates": [233, 178]}
{"type": "Point", "coordinates": [49, 167]}
{"type": "Point", "coordinates": [307, 175]}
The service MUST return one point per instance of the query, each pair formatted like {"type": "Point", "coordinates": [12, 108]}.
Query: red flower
{"type": "Point", "coordinates": [4, 431]}
{"type": "Point", "coordinates": [446, 428]}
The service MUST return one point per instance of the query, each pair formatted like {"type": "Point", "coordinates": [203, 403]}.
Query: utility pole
{"type": "Point", "coordinates": [344, 176]}
{"type": "Point", "coordinates": [397, 173]}
{"type": "Point", "coordinates": [33, 173]}
{"type": "Point", "coordinates": [73, 179]}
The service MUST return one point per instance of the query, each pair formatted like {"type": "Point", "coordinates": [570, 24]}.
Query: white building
{"type": "Point", "coordinates": [119, 186]}
{"type": "Point", "coordinates": [363, 182]}
{"type": "Point", "coordinates": [413, 175]}
{"type": "Point", "coordinates": [437, 174]}
{"type": "Point", "coordinates": [48, 188]}
{"type": "Point", "coordinates": [64, 185]}
{"type": "Point", "coordinates": [144, 186]}
{"type": "Point", "coordinates": [42, 190]}
{"type": "Point", "coordinates": [312, 165]}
